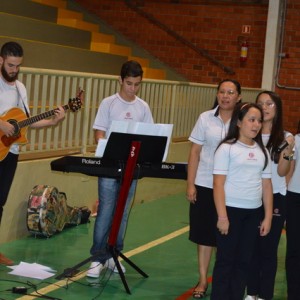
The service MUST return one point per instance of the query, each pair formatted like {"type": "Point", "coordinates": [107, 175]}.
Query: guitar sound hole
{"type": "Point", "coordinates": [16, 126]}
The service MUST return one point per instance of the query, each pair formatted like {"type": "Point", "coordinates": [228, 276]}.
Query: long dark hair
{"type": "Point", "coordinates": [277, 133]}
{"type": "Point", "coordinates": [233, 134]}
{"type": "Point", "coordinates": [237, 85]}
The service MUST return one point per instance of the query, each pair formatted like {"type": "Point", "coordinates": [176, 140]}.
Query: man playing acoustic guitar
{"type": "Point", "coordinates": [13, 94]}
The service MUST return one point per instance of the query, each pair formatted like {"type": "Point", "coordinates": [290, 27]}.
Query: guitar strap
{"type": "Point", "coordinates": [20, 97]}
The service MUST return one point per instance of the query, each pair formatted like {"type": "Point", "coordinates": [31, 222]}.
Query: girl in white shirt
{"type": "Point", "coordinates": [242, 178]}
{"type": "Point", "coordinates": [262, 273]}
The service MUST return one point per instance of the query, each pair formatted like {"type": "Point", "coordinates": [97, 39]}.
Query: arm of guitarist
{"type": "Point", "coordinates": [58, 117]}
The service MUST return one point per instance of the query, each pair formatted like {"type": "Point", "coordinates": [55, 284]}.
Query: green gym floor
{"type": "Point", "coordinates": [156, 241]}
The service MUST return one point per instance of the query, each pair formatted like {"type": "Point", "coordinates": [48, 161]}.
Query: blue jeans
{"type": "Point", "coordinates": [108, 190]}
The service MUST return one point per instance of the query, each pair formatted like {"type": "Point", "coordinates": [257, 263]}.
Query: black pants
{"type": "Point", "coordinates": [293, 245]}
{"type": "Point", "coordinates": [263, 268]}
{"type": "Point", "coordinates": [234, 253]}
{"type": "Point", "coordinates": [8, 168]}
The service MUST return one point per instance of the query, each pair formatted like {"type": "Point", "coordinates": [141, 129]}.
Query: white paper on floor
{"type": "Point", "coordinates": [32, 270]}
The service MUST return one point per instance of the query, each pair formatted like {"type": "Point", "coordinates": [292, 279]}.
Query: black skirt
{"type": "Point", "coordinates": [203, 218]}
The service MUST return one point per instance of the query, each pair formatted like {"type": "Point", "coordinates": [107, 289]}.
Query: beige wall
{"type": "Point", "coordinates": [80, 189]}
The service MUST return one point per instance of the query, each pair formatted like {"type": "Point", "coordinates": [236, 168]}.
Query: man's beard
{"type": "Point", "coordinates": [7, 77]}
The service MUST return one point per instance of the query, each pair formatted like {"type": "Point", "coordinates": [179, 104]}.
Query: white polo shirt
{"type": "Point", "coordinates": [208, 131]}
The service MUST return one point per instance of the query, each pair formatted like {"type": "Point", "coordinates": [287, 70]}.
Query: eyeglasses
{"type": "Point", "coordinates": [229, 93]}
{"type": "Point", "coordinates": [267, 104]}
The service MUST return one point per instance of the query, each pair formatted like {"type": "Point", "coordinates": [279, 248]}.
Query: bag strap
{"type": "Point", "coordinates": [20, 97]}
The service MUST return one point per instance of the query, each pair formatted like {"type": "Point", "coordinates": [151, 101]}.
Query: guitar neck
{"type": "Point", "coordinates": [40, 117]}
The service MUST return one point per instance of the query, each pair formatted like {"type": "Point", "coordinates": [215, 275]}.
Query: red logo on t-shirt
{"type": "Point", "coordinates": [128, 115]}
{"type": "Point", "coordinates": [251, 155]}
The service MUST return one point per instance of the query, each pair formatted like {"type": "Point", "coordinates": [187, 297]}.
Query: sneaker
{"type": "Point", "coordinates": [95, 269]}
{"type": "Point", "coordinates": [248, 297]}
{"type": "Point", "coordinates": [110, 264]}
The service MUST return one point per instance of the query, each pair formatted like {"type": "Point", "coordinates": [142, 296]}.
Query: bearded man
{"type": "Point", "coordinates": [13, 94]}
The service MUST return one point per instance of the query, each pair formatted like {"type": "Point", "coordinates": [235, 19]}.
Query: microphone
{"type": "Point", "coordinates": [282, 146]}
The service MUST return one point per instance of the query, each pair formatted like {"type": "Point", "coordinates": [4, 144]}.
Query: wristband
{"type": "Point", "coordinates": [289, 157]}
{"type": "Point", "coordinates": [222, 218]}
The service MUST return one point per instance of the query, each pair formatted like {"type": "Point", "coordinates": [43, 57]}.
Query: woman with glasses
{"type": "Point", "coordinates": [280, 145]}
{"type": "Point", "coordinates": [210, 128]}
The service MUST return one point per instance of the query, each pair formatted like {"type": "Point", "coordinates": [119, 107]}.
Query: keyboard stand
{"type": "Point", "coordinates": [121, 202]}
{"type": "Point", "coordinates": [124, 190]}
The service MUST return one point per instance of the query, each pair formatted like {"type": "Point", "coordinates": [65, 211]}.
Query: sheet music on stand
{"type": "Point", "coordinates": [139, 128]}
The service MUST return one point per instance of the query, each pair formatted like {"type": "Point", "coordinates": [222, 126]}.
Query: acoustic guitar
{"type": "Point", "coordinates": [20, 121]}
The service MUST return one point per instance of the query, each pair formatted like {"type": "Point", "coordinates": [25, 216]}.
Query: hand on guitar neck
{"type": "Point", "coordinates": [14, 123]}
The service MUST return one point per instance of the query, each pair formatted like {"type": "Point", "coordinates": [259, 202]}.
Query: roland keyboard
{"type": "Point", "coordinates": [94, 166]}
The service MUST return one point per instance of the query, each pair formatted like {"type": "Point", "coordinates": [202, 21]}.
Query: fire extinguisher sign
{"type": "Point", "coordinates": [246, 29]}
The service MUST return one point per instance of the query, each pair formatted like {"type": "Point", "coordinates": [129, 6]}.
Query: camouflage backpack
{"type": "Point", "coordinates": [48, 211]}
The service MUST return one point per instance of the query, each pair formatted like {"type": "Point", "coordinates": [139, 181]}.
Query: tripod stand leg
{"type": "Point", "coordinates": [133, 265]}
{"type": "Point", "coordinates": [117, 263]}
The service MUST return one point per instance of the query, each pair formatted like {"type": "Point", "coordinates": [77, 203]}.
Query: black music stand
{"type": "Point", "coordinates": [132, 149]}
{"type": "Point", "coordinates": [118, 145]}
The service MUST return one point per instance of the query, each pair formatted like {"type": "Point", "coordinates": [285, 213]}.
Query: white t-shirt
{"type": "Point", "coordinates": [114, 108]}
{"type": "Point", "coordinates": [243, 166]}
{"type": "Point", "coordinates": [208, 131]}
{"type": "Point", "coordinates": [12, 96]}
{"type": "Point", "coordinates": [294, 184]}
{"type": "Point", "coordinates": [278, 182]}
